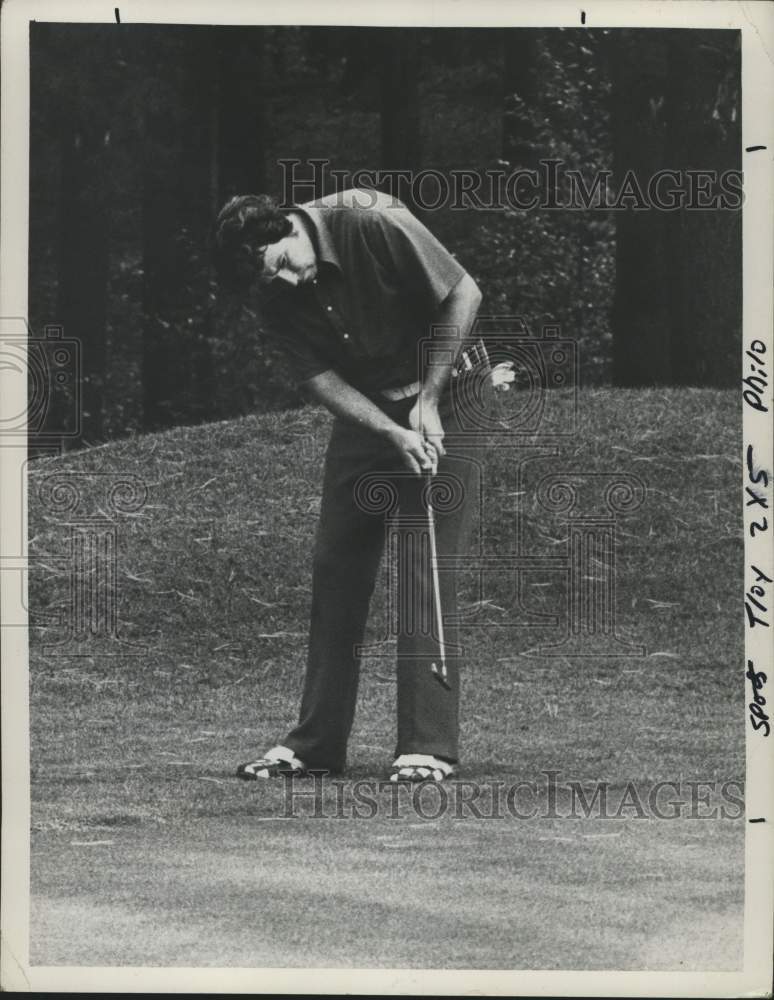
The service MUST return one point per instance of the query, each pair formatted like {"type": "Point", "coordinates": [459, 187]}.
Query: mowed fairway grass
{"type": "Point", "coordinates": [147, 851]}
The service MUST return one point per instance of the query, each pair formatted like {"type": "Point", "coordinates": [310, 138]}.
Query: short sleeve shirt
{"type": "Point", "coordinates": [381, 277]}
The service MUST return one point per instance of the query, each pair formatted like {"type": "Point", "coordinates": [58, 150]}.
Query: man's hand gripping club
{"type": "Point", "coordinates": [418, 445]}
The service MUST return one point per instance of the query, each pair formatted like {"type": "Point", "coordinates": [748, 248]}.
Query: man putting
{"type": "Point", "coordinates": [351, 285]}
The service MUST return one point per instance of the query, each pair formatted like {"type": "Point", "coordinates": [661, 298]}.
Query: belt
{"type": "Point", "coordinates": [403, 392]}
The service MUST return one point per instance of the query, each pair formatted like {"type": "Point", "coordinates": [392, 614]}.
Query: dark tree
{"type": "Point", "coordinates": [640, 314]}
{"type": "Point", "coordinates": [362, 48]}
{"type": "Point", "coordinates": [240, 110]}
{"type": "Point", "coordinates": [677, 308]}
{"type": "Point", "coordinates": [162, 372]}
{"type": "Point", "coordinates": [84, 199]}
{"type": "Point", "coordinates": [83, 257]}
{"type": "Point", "coordinates": [178, 202]}
{"type": "Point", "coordinates": [704, 247]}
{"type": "Point", "coordinates": [400, 112]}
{"type": "Point", "coordinates": [520, 94]}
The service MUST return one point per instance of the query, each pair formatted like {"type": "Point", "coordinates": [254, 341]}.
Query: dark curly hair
{"type": "Point", "coordinates": [244, 226]}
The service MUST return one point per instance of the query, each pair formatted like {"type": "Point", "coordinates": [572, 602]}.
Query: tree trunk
{"type": "Point", "coordinates": [83, 258]}
{"type": "Point", "coordinates": [704, 247]}
{"type": "Point", "coordinates": [519, 97]}
{"type": "Point", "coordinates": [241, 110]}
{"type": "Point", "coordinates": [640, 314]}
{"type": "Point", "coordinates": [177, 210]}
{"type": "Point", "coordinates": [400, 118]}
{"type": "Point", "coordinates": [161, 370]}
{"type": "Point", "coordinates": [362, 49]}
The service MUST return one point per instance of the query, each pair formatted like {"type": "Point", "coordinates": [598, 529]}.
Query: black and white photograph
{"type": "Point", "coordinates": [386, 450]}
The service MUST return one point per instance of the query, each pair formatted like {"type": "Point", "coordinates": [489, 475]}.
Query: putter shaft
{"type": "Point", "coordinates": [440, 674]}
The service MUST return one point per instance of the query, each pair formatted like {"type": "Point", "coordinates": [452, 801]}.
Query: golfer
{"type": "Point", "coordinates": [350, 285]}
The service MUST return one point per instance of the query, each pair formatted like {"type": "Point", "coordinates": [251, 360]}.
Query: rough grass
{"type": "Point", "coordinates": [133, 751]}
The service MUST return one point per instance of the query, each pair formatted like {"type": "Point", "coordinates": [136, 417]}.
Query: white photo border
{"type": "Point", "coordinates": [756, 23]}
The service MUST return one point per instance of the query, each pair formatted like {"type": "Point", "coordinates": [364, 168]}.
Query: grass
{"type": "Point", "coordinates": [145, 850]}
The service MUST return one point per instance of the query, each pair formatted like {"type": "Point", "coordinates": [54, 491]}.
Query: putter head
{"type": "Point", "coordinates": [441, 675]}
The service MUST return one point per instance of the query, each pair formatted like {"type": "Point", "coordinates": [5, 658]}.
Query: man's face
{"type": "Point", "coordinates": [292, 259]}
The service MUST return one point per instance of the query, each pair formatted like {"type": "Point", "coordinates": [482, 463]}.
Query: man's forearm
{"type": "Point", "coordinates": [456, 316]}
{"type": "Point", "coordinates": [345, 401]}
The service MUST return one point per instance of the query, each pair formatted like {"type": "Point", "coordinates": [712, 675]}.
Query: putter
{"type": "Point", "coordinates": [439, 672]}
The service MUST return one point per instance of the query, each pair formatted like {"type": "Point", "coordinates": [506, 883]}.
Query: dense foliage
{"type": "Point", "coordinates": [138, 134]}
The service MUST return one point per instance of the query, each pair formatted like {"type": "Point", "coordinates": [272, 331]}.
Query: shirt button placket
{"type": "Point", "coordinates": [336, 322]}
{"type": "Point", "coordinates": [334, 318]}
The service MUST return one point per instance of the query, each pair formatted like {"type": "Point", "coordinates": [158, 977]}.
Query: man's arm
{"type": "Point", "coordinates": [345, 401]}
{"type": "Point", "coordinates": [456, 315]}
